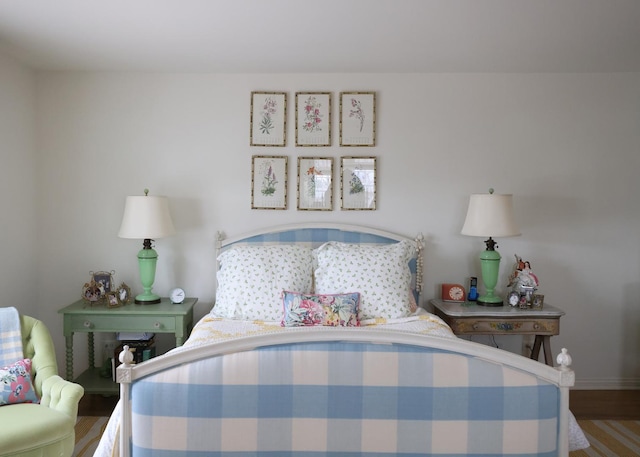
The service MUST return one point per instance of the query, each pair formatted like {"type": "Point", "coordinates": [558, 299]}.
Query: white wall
{"type": "Point", "coordinates": [18, 186]}
{"type": "Point", "coordinates": [566, 146]}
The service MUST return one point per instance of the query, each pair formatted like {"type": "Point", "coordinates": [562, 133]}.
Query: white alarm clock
{"type": "Point", "coordinates": [176, 296]}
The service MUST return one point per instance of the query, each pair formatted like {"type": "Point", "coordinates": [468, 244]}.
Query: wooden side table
{"type": "Point", "coordinates": [163, 317]}
{"type": "Point", "coordinates": [472, 319]}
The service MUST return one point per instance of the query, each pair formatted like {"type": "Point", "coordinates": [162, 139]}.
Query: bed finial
{"type": "Point", "coordinates": [564, 359]}
{"type": "Point", "coordinates": [126, 356]}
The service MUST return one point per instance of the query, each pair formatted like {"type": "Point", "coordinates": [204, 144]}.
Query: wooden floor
{"type": "Point", "coordinates": [584, 404]}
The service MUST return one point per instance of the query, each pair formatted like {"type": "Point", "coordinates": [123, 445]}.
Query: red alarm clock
{"type": "Point", "coordinates": [453, 293]}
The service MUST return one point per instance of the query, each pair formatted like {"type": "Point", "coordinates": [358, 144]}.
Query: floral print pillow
{"type": "Point", "coordinates": [15, 384]}
{"type": "Point", "coordinates": [379, 272]}
{"type": "Point", "coordinates": [251, 280]}
{"type": "Point", "coordinates": [333, 310]}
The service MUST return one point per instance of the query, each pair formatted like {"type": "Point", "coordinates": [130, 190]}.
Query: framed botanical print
{"type": "Point", "coordinates": [269, 182]}
{"type": "Point", "coordinates": [358, 183]}
{"type": "Point", "coordinates": [313, 119]}
{"type": "Point", "coordinates": [357, 118]}
{"type": "Point", "coordinates": [315, 184]}
{"type": "Point", "coordinates": [268, 119]}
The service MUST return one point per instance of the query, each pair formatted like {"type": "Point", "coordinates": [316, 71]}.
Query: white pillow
{"type": "Point", "coordinates": [379, 272]}
{"type": "Point", "coordinates": [251, 280]}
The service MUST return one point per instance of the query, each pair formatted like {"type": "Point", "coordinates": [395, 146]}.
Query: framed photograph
{"type": "Point", "coordinates": [315, 184]}
{"type": "Point", "coordinates": [124, 294]}
{"type": "Point", "coordinates": [358, 183]}
{"type": "Point", "coordinates": [537, 301]}
{"type": "Point", "coordinates": [113, 300]}
{"type": "Point", "coordinates": [269, 182]}
{"type": "Point", "coordinates": [268, 119]}
{"type": "Point", "coordinates": [104, 281]}
{"type": "Point", "coordinates": [357, 118]}
{"type": "Point", "coordinates": [313, 119]}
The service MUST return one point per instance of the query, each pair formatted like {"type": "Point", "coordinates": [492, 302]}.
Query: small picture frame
{"type": "Point", "coordinates": [357, 118]}
{"type": "Point", "coordinates": [537, 301]}
{"type": "Point", "coordinates": [268, 124]}
{"type": "Point", "coordinates": [313, 119]}
{"type": "Point", "coordinates": [112, 300]}
{"type": "Point", "coordinates": [358, 183]}
{"type": "Point", "coordinates": [104, 281]}
{"type": "Point", "coordinates": [315, 183]}
{"type": "Point", "coordinates": [269, 182]}
{"type": "Point", "coordinates": [124, 294]}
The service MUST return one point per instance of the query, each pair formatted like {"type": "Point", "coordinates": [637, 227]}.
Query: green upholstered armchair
{"type": "Point", "coordinates": [45, 429]}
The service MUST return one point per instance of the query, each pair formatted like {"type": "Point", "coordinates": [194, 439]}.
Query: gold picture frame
{"type": "Point", "coordinates": [268, 125]}
{"type": "Point", "coordinates": [313, 119]}
{"type": "Point", "coordinates": [315, 183]}
{"type": "Point", "coordinates": [358, 182]}
{"type": "Point", "coordinates": [357, 118]}
{"type": "Point", "coordinates": [269, 177]}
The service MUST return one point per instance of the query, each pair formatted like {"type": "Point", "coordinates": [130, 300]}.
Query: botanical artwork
{"type": "Point", "coordinates": [268, 118]}
{"type": "Point", "coordinates": [358, 183]}
{"type": "Point", "coordinates": [269, 179]}
{"type": "Point", "coordinates": [313, 119]}
{"type": "Point", "coordinates": [357, 112]}
{"type": "Point", "coordinates": [269, 109]}
{"type": "Point", "coordinates": [315, 183]}
{"type": "Point", "coordinates": [357, 119]}
{"type": "Point", "coordinates": [269, 182]}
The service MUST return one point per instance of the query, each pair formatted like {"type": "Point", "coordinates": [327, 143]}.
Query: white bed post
{"type": "Point", "coordinates": [124, 376]}
{"type": "Point", "coordinates": [567, 379]}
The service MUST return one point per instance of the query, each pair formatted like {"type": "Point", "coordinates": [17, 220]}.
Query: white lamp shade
{"type": "Point", "coordinates": [490, 215]}
{"type": "Point", "coordinates": [146, 217]}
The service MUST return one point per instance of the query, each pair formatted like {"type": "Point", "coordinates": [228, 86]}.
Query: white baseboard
{"type": "Point", "coordinates": [607, 384]}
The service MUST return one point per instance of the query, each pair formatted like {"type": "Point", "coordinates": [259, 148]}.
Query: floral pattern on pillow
{"type": "Point", "coordinates": [333, 310]}
{"type": "Point", "coordinates": [251, 280]}
{"type": "Point", "coordinates": [379, 272]}
{"type": "Point", "coordinates": [15, 384]}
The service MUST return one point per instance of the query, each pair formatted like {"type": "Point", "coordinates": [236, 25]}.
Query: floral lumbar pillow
{"type": "Point", "coordinates": [333, 310]}
{"type": "Point", "coordinates": [15, 384]}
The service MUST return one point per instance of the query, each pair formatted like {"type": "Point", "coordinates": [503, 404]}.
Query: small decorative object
{"type": "Point", "coordinates": [358, 183]}
{"type": "Point", "coordinates": [537, 301]}
{"type": "Point", "coordinates": [147, 218]}
{"type": "Point", "coordinates": [357, 118]}
{"type": "Point", "coordinates": [112, 300]}
{"type": "Point", "coordinates": [268, 119]}
{"type": "Point", "coordinates": [473, 289]}
{"type": "Point", "coordinates": [91, 292]}
{"type": "Point", "coordinates": [269, 182]}
{"type": "Point", "coordinates": [453, 293]}
{"type": "Point", "coordinates": [176, 295]}
{"type": "Point", "coordinates": [315, 183]}
{"type": "Point", "coordinates": [522, 275]}
{"type": "Point", "coordinates": [490, 215]}
{"type": "Point", "coordinates": [97, 288]}
{"type": "Point", "coordinates": [523, 304]}
{"type": "Point", "coordinates": [313, 119]}
{"type": "Point", "coordinates": [513, 298]}
{"type": "Point", "coordinates": [124, 294]}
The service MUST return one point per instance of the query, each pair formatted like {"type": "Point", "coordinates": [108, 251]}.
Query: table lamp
{"type": "Point", "coordinates": [490, 215]}
{"type": "Point", "coordinates": [146, 218]}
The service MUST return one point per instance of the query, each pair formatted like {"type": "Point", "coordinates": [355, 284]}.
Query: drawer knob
{"type": "Point", "coordinates": [536, 326]}
{"type": "Point", "coordinates": [476, 326]}
{"type": "Point", "coordinates": [87, 324]}
{"type": "Point", "coordinates": [157, 325]}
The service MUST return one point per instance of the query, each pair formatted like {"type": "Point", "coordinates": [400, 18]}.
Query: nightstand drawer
{"type": "Point", "coordinates": [504, 326]}
{"type": "Point", "coordinates": [105, 323]}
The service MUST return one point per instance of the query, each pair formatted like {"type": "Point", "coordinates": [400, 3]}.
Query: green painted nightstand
{"type": "Point", "coordinates": [81, 317]}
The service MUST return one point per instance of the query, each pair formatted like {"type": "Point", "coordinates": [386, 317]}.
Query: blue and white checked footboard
{"type": "Point", "coordinates": [347, 398]}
